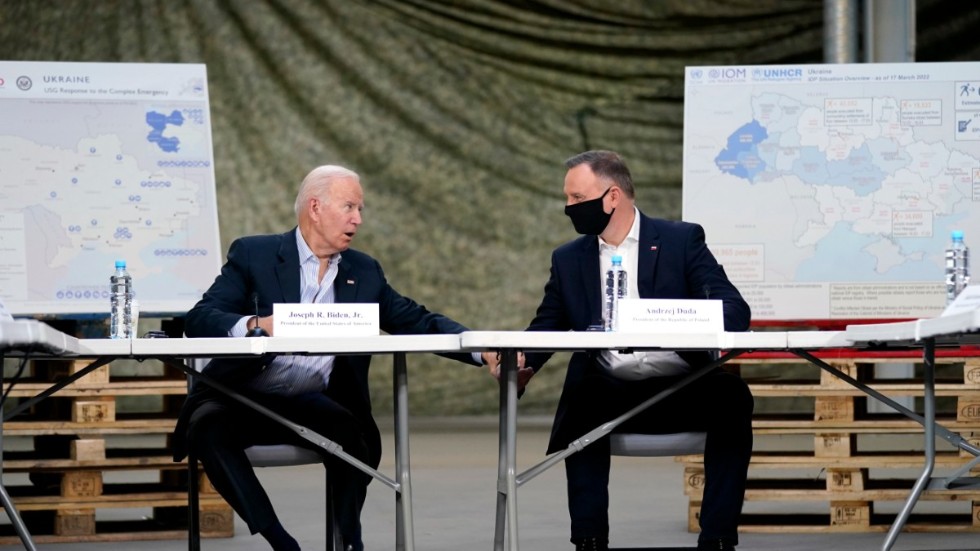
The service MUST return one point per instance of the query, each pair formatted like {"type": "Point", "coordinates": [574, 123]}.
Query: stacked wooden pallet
{"type": "Point", "coordinates": [826, 461]}
{"type": "Point", "coordinates": [81, 468]}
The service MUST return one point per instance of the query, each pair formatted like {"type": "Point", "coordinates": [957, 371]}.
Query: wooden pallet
{"type": "Point", "coordinates": [843, 476]}
{"type": "Point", "coordinates": [63, 495]}
{"type": "Point", "coordinates": [70, 460]}
{"type": "Point", "coordinates": [849, 494]}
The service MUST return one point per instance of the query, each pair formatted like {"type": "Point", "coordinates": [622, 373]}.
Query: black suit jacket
{"type": "Point", "coordinates": [267, 268]}
{"type": "Point", "coordinates": [673, 263]}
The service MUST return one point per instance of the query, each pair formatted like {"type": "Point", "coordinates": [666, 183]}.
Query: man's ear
{"type": "Point", "coordinates": [616, 195]}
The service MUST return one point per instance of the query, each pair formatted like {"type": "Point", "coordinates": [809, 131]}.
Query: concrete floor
{"type": "Point", "coordinates": [454, 477]}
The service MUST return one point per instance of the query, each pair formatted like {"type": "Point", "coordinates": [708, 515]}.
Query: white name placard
{"type": "Point", "coordinates": [649, 315]}
{"type": "Point", "coordinates": [325, 320]}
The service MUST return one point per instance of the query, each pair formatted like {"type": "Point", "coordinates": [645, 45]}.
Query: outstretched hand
{"type": "Point", "coordinates": [524, 374]}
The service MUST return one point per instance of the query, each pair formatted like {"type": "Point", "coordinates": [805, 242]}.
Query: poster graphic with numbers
{"type": "Point", "coordinates": [100, 162]}
{"type": "Point", "coordinates": [829, 192]}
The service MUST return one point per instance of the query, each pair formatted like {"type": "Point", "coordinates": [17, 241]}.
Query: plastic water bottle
{"type": "Point", "coordinates": [121, 303]}
{"type": "Point", "coordinates": [615, 289]}
{"type": "Point", "coordinates": [957, 266]}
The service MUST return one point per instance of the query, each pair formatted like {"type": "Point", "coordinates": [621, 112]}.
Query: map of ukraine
{"type": "Point", "coordinates": [871, 170]}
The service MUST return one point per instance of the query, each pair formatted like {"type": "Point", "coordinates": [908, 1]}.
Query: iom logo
{"type": "Point", "coordinates": [728, 74]}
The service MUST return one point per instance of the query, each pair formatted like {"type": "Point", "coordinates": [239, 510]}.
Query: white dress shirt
{"type": "Point", "coordinates": [290, 375]}
{"type": "Point", "coordinates": [635, 365]}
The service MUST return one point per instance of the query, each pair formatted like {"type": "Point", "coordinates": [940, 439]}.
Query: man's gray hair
{"type": "Point", "coordinates": [318, 181]}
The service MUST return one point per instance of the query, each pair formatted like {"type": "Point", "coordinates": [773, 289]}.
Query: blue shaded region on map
{"type": "Point", "coordinates": [741, 157]}
{"type": "Point", "coordinates": [840, 256]}
{"type": "Point", "coordinates": [857, 172]}
{"type": "Point", "coordinates": [158, 122]}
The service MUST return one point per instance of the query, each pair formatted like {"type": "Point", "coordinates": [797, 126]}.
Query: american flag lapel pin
{"type": "Point", "coordinates": [653, 247]}
{"type": "Point", "coordinates": [350, 281]}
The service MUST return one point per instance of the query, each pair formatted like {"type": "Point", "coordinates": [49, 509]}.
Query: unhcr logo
{"type": "Point", "coordinates": [778, 73]}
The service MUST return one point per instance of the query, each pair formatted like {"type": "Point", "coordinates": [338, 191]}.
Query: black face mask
{"type": "Point", "coordinates": [588, 216]}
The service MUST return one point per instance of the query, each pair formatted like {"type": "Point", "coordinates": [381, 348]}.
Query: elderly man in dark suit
{"type": "Point", "coordinates": [667, 260]}
{"type": "Point", "coordinates": [311, 263]}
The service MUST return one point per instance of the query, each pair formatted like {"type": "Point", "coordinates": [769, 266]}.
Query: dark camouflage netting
{"type": "Point", "coordinates": [458, 115]}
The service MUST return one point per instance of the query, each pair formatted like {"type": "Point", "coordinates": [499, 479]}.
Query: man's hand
{"type": "Point", "coordinates": [262, 323]}
{"type": "Point", "coordinates": [524, 374]}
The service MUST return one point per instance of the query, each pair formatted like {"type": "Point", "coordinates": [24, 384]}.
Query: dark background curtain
{"type": "Point", "coordinates": [457, 114]}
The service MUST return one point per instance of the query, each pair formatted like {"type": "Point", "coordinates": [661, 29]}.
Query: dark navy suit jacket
{"type": "Point", "coordinates": [266, 268]}
{"type": "Point", "coordinates": [673, 263]}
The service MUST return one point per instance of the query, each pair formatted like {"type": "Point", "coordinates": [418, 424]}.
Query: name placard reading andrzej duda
{"type": "Point", "coordinates": [647, 315]}
{"type": "Point", "coordinates": [325, 320]}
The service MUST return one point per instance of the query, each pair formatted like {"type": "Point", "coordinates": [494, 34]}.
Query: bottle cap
{"type": "Point", "coordinates": [120, 264]}
{"type": "Point", "coordinates": [958, 234]}
{"type": "Point", "coordinates": [617, 259]}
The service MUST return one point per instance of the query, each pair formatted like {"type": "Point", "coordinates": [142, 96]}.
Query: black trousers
{"type": "Point", "coordinates": [719, 404]}
{"type": "Point", "coordinates": [221, 429]}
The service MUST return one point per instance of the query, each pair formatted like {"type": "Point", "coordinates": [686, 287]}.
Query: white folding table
{"type": "Point", "coordinates": [32, 337]}
{"type": "Point", "coordinates": [28, 337]}
{"type": "Point", "coordinates": [174, 351]}
{"type": "Point", "coordinates": [924, 333]}
{"type": "Point", "coordinates": [798, 343]}
{"type": "Point", "coordinates": [509, 343]}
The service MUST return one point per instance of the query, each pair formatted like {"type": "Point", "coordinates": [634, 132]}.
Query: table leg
{"type": "Point", "coordinates": [404, 526]}
{"type": "Point", "coordinates": [8, 504]}
{"type": "Point", "coordinates": [506, 520]}
{"type": "Point", "coordinates": [25, 536]}
{"type": "Point", "coordinates": [929, 427]}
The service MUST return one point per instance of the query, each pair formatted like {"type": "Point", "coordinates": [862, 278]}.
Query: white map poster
{"type": "Point", "coordinates": [105, 161]}
{"type": "Point", "coordinates": [829, 192]}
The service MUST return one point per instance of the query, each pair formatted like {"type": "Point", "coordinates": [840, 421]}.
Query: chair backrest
{"type": "Point", "coordinates": [656, 445]}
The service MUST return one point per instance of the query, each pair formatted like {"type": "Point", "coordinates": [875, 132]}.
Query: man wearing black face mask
{"type": "Point", "coordinates": [663, 259]}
